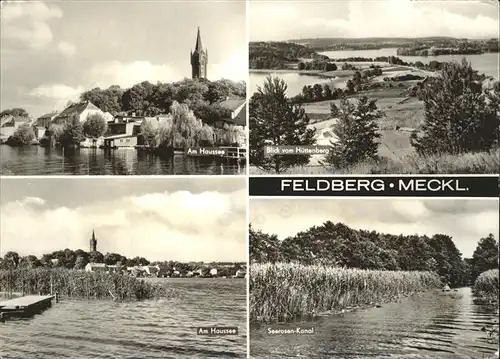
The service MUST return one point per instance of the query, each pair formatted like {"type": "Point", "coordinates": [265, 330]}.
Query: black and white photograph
{"type": "Point", "coordinates": [374, 87]}
{"type": "Point", "coordinates": [123, 87]}
{"type": "Point", "coordinates": [127, 268]}
{"type": "Point", "coordinates": [374, 278]}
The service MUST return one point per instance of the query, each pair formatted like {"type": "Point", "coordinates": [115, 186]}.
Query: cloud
{"type": "Point", "coordinates": [129, 74]}
{"type": "Point", "coordinates": [66, 49]}
{"type": "Point", "coordinates": [367, 19]}
{"type": "Point", "coordinates": [36, 201]}
{"type": "Point", "coordinates": [234, 68]}
{"type": "Point", "coordinates": [58, 92]}
{"type": "Point", "coordinates": [159, 226]}
{"type": "Point", "coordinates": [27, 22]}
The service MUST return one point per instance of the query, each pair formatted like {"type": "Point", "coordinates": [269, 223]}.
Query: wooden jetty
{"type": "Point", "coordinates": [26, 306]}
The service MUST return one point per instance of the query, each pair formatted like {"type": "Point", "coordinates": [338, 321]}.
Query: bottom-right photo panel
{"type": "Point", "coordinates": [374, 278]}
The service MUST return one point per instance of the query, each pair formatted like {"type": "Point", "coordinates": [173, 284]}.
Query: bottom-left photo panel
{"type": "Point", "coordinates": [123, 268]}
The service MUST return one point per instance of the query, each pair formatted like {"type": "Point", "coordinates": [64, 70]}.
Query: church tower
{"type": "Point", "coordinates": [199, 59]}
{"type": "Point", "coordinates": [93, 243]}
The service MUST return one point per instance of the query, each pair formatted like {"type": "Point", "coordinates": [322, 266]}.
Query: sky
{"type": "Point", "coordinates": [189, 219]}
{"type": "Point", "coordinates": [53, 51]}
{"type": "Point", "coordinates": [465, 220]}
{"type": "Point", "coordinates": [285, 20]}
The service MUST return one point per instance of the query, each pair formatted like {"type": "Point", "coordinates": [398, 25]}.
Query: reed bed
{"type": "Point", "coordinates": [486, 285]}
{"type": "Point", "coordinates": [287, 292]}
{"type": "Point", "coordinates": [80, 284]}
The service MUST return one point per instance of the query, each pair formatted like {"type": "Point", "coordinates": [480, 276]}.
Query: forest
{"type": "Point", "coordinates": [78, 259]}
{"type": "Point", "coordinates": [279, 55]}
{"type": "Point", "coordinates": [337, 245]}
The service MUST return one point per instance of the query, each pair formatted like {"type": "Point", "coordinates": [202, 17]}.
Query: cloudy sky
{"type": "Point", "coordinates": [52, 51]}
{"type": "Point", "coordinates": [466, 221]}
{"type": "Point", "coordinates": [285, 20]}
{"type": "Point", "coordinates": [160, 219]}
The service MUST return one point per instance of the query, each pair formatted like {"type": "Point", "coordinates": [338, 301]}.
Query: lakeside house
{"type": "Point", "coordinates": [82, 110]}
{"type": "Point", "coordinates": [125, 130]}
{"type": "Point", "coordinates": [46, 120]}
{"type": "Point", "coordinates": [100, 267]}
{"type": "Point", "coordinates": [237, 117]}
{"type": "Point", "coordinates": [9, 124]}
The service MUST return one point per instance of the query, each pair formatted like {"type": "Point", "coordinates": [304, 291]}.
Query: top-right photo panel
{"type": "Point", "coordinates": [374, 87]}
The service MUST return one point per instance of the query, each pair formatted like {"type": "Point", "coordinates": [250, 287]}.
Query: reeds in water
{"type": "Point", "coordinates": [486, 285]}
{"type": "Point", "coordinates": [80, 284]}
{"type": "Point", "coordinates": [287, 292]}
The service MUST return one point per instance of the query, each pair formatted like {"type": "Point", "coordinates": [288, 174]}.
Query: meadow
{"type": "Point", "coordinates": [285, 292]}
{"type": "Point", "coordinates": [76, 284]}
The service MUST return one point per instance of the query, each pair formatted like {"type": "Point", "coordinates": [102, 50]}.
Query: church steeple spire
{"type": "Point", "coordinates": [199, 59]}
{"type": "Point", "coordinates": [199, 45]}
{"type": "Point", "coordinates": [93, 242]}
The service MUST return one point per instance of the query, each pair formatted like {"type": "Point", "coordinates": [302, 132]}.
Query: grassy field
{"type": "Point", "coordinates": [79, 284]}
{"type": "Point", "coordinates": [468, 163]}
{"type": "Point", "coordinates": [287, 292]}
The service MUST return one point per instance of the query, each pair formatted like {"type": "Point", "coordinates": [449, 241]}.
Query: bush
{"type": "Point", "coordinates": [23, 135]}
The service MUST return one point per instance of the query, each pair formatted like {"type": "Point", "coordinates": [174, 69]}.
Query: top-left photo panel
{"type": "Point", "coordinates": [96, 88]}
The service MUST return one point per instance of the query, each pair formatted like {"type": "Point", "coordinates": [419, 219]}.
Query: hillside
{"type": "Point", "coordinates": [324, 44]}
{"type": "Point", "coordinates": [279, 55]}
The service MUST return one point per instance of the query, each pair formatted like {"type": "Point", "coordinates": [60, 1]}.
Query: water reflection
{"type": "Point", "coordinates": [34, 160]}
{"type": "Point", "coordinates": [428, 326]}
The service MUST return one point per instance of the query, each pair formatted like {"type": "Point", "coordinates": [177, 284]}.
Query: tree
{"type": "Point", "coordinates": [186, 126]}
{"type": "Point", "coordinates": [79, 263]}
{"type": "Point", "coordinates": [349, 85]}
{"type": "Point", "coordinates": [330, 66]}
{"type": "Point", "coordinates": [12, 259]}
{"type": "Point", "coordinates": [95, 126]}
{"type": "Point", "coordinates": [72, 133]}
{"type": "Point", "coordinates": [275, 121]}
{"type": "Point", "coordinates": [263, 248]}
{"type": "Point", "coordinates": [459, 116]}
{"type": "Point", "coordinates": [485, 256]}
{"type": "Point", "coordinates": [327, 90]}
{"type": "Point", "coordinates": [23, 135]}
{"type": "Point", "coordinates": [217, 92]}
{"type": "Point", "coordinates": [356, 130]}
{"type": "Point", "coordinates": [113, 258]}
{"type": "Point", "coordinates": [96, 257]}
{"type": "Point", "coordinates": [16, 112]}
{"type": "Point", "coordinates": [318, 91]}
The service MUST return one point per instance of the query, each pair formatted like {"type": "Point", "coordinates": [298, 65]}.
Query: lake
{"type": "Point", "coordinates": [427, 326]}
{"type": "Point", "coordinates": [36, 160]}
{"type": "Point", "coordinates": [294, 81]}
{"type": "Point", "coordinates": [484, 63]}
{"type": "Point", "coordinates": [148, 329]}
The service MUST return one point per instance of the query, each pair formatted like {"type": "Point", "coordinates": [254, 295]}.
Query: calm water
{"type": "Point", "coordinates": [485, 63]}
{"type": "Point", "coordinates": [36, 160]}
{"type": "Point", "coordinates": [149, 329]}
{"type": "Point", "coordinates": [429, 326]}
{"type": "Point", "coordinates": [294, 81]}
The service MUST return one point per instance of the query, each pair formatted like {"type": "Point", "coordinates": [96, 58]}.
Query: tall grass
{"type": "Point", "coordinates": [486, 285]}
{"type": "Point", "coordinates": [286, 292]}
{"type": "Point", "coordinates": [466, 163]}
{"type": "Point", "coordinates": [78, 284]}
